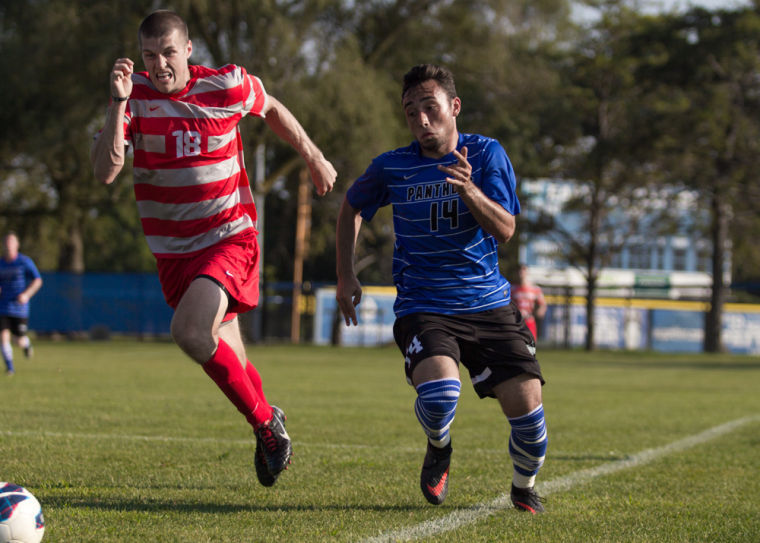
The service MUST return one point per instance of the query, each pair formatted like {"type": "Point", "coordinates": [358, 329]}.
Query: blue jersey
{"type": "Point", "coordinates": [443, 261]}
{"type": "Point", "coordinates": [15, 276]}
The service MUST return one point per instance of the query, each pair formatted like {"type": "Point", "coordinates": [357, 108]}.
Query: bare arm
{"type": "Point", "coordinates": [349, 291]}
{"type": "Point", "coordinates": [108, 150]}
{"type": "Point", "coordinates": [541, 306]}
{"type": "Point", "coordinates": [286, 126]}
{"type": "Point", "coordinates": [493, 218]}
{"type": "Point", "coordinates": [30, 290]}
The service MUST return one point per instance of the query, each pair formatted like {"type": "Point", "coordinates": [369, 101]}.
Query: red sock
{"type": "Point", "coordinates": [255, 379]}
{"type": "Point", "coordinates": [225, 369]}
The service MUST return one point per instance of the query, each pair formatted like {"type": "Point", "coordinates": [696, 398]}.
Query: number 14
{"type": "Point", "coordinates": [450, 211]}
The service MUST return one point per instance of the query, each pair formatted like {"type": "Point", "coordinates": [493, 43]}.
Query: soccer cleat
{"type": "Point", "coordinates": [434, 479]}
{"type": "Point", "coordinates": [273, 448]}
{"type": "Point", "coordinates": [28, 351]}
{"type": "Point", "coordinates": [260, 461]}
{"type": "Point", "coordinates": [526, 499]}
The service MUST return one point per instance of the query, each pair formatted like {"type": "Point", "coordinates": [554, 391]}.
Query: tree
{"type": "Point", "coordinates": [602, 92]}
{"type": "Point", "coordinates": [308, 60]}
{"type": "Point", "coordinates": [500, 54]}
{"type": "Point", "coordinates": [702, 72]}
{"type": "Point", "coordinates": [51, 102]}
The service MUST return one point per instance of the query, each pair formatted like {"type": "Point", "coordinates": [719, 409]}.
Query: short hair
{"type": "Point", "coordinates": [161, 23]}
{"type": "Point", "coordinates": [425, 72]}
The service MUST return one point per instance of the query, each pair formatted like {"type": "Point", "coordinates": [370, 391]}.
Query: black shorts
{"type": "Point", "coordinates": [17, 325]}
{"type": "Point", "coordinates": [493, 345]}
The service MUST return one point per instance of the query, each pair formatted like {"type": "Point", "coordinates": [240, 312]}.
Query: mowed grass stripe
{"type": "Point", "coordinates": [221, 441]}
{"type": "Point", "coordinates": [127, 441]}
{"type": "Point", "coordinates": [473, 514]}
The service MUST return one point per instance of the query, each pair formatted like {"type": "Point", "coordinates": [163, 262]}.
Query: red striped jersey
{"type": "Point", "coordinates": [191, 186]}
{"type": "Point", "coordinates": [527, 297]}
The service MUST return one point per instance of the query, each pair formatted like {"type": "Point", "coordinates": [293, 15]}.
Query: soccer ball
{"type": "Point", "coordinates": [21, 518]}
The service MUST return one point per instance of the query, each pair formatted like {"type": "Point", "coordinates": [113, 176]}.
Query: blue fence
{"type": "Point", "coordinates": [98, 304]}
{"type": "Point", "coordinates": [621, 323]}
{"type": "Point", "coordinates": [127, 303]}
{"type": "Point", "coordinates": [131, 303]}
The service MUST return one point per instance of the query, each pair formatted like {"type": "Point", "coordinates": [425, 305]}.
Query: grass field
{"type": "Point", "coordinates": [128, 441]}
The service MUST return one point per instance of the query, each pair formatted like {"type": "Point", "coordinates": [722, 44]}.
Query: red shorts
{"type": "Point", "coordinates": [233, 263]}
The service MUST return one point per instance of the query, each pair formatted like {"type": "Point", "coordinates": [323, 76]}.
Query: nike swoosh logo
{"type": "Point", "coordinates": [437, 489]}
{"type": "Point", "coordinates": [410, 176]}
{"type": "Point", "coordinates": [153, 108]}
{"type": "Point", "coordinates": [527, 507]}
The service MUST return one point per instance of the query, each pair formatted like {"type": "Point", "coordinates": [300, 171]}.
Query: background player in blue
{"type": "Point", "coordinates": [454, 200]}
{"type": "Point", "coordinates": [19, 281]}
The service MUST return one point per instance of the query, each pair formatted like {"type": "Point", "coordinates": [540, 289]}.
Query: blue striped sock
{"type": "Point", "coordinates": [435, 407]}
{"type": "Point", "coordinates": [8, 356]}
{"type": "Point", "coordinates": [527, 445]}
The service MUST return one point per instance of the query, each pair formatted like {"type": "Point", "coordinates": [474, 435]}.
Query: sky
{"type": "Point", "coordinates": [668, 6]}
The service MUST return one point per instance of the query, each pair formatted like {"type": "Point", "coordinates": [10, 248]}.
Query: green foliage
{"type": "Point", "coordinates": [130, 441]}
{"type": "Point", "coordinates": [335, 64]}
{"type": "Point", "coordinates": [662, 99]}
{"type": "Point", "coordinates": [702, 72]}
{"type": "Point", "coordinates": [57, 56]}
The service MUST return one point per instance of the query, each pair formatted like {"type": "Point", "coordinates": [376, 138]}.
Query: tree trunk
{"type": "Point", "coordinates": [590, 304]}
{"type": "Point", "coordinates": [719, 234]}
{"type": "Point", "coordinates": [71, 257]}
{"type": "Point", "coordinates": [591, 260]}
{"type": "Point", "coordinates": [303, 224]}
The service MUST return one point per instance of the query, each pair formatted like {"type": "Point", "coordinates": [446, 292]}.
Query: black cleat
{"type": "Point", "coordinates": [434, 479]}
{"type": "Point", "coordinates": [260, 461]}
{"type": "Point", "coordinates": [526, 499]}
{"type": "Point", "coordinates": [273, 448]}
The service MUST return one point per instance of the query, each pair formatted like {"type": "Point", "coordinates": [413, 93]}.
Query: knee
{"type": "Point", "coordinates": [196, 341]}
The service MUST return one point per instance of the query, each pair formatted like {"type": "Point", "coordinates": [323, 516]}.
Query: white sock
{"type": "Point", "coordinates": [523, 481]}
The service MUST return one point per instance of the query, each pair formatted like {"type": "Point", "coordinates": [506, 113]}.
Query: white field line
{"type": "Point", "coordinates": [458, 518]}
{"type": "Point", "coordinates": [477, 512]}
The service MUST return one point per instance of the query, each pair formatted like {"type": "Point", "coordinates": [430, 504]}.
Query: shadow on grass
{"type": "Point", "coordinates": [178, 506]}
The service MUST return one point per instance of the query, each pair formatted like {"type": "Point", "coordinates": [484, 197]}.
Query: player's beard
{"type": "Point", "coordinates": [433, 144]}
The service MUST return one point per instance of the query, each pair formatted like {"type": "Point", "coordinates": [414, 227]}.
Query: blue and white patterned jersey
{"type": "Point", "coordinates": [443, 261]}
{"type": "Point", "coordinates": [15, 276]}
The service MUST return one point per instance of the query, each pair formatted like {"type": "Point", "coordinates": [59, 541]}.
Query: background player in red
{"type": "Point", "coordinates": [196, 206]}
{"type": "Point", "coordinates": [529, 299]}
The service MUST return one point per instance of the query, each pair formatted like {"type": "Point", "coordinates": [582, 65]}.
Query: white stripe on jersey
{"type": "Point", "coordinates": [469, 278]}
{"type": "Point", "coordinates": [199, 175]}
{"type": "Point", "coordinates": [226, 80]}
{"type": "Point", "coordinates": [188, 211]}
{"type": "Point", "coordinates": [252, 96]}
{"type": "Point", "coordinates": [427, 235]}
{"type": "Point", "coordinates": [217, 142]}
{"type": "Point", "coordinates": [150, 143]}
{"type": "Point", "coordinates": [172, 245]}
{"type": "Point", "coordinates": [159, 109]}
